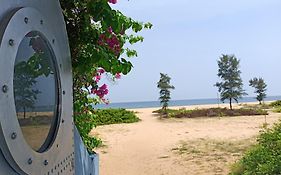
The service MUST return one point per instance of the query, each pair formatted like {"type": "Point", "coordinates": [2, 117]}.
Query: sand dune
{"type": "Point", "coordinates": [201, 146]}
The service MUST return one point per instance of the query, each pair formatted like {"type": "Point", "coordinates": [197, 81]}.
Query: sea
{"type": "Point", "coordinates": [152, 104]}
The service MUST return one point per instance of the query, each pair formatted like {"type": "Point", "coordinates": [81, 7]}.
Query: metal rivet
{"type": "Point", "coordinates": [41, 21]}
{"type": "Point", "coordinates": [63, 92]}
{"type": "Point", "coordinates": [14, 135]}
{"type": "Point", "coordinates": [46, 162]}
{"type": "Point", "coordinates": [11, 42]}
{"type": "Point", "coordinates": [26, 20]}
{"type": "Point", "coordinates": [29, 161]}
{"type": "Point", "coordinates": [5, 88]}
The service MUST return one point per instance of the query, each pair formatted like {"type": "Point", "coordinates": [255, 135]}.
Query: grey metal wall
{"type": "Point", "coordinates": [16, 157]}
{"type": "Point", "coordinates": [85, 163]}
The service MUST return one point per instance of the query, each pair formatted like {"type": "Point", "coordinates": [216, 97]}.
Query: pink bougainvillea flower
{"type": "Point", "coordinates": [101, 70]}
{"type": "Point", "coordinates": [110, 29]}
{"type": "Point", "coordinates": [101, 91]}
{"type": "Point", "coordinates": [97, 78]}
{"type": "Point", "coordinates": [104, 86]}
{"type": "Point", "coordinates": [118, 76]}
{"type": "Point", "coordinates": [112, 1]}
{"type": "Point", "coordinates": [112, 42]}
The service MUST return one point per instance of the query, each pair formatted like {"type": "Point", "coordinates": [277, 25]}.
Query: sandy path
{"type": "Point", "coordinates": [146, 147]}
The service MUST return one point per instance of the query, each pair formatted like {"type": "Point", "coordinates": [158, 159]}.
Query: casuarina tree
{"type": "Point", "coordinates": [231, 86]}
{"type": "Point", "coordinates": [165, 87]}
{"type": "Point", "coordinates": [260, 88]}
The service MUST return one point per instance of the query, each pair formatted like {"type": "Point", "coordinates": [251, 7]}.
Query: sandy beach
{"type": "Point", "coordinates": [198, 146]}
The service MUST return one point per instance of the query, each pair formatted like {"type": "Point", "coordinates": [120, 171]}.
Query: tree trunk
{"type": "Point", "coordinates": [230, 104]}
{"type": "Point", "coordinates": [260, 102]}
{"type": "Point", "coordinates": [23, 112]}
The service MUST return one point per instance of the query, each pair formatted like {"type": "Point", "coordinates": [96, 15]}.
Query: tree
{"type": "Point", "coordinates": [231, 86]}
{"type": "Point", "coordinates": [164, 86]}
{"type": "Point", "coordinates": [260, 88]}
{"type": "Point", "coordinates": [24, 80]}
{"type": "Point", "coordinates": [97, 35]}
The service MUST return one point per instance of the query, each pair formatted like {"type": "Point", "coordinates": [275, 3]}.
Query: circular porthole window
{"type": "Point", "coordinates": [36, 91]}
{"type": "Point", "coordinates": [36, 126]}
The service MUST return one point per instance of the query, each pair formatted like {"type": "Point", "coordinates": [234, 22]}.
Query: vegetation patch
{"type": "Point", "coordinates": [255, 106]}
{"type": "Point", "coordinates": [113, 116]}
{"type": "Point", "coordinates": [276, 106]}
{"type": "Point", "coordinates": [212, 112]}
{"type": "Point", "coordinates": [86, 122]}
{"type": "Point", "coordinates": [162, 111]}
{"type": "Point", "coordinates": [275, 103]}
{"type": "Point", "coordinates": [265, 157]}
{"type": "Point", "coordinates": [205, 147]}
{"type": "Point", "coordinates": [218, 153]}
{"type": "Point", "coordinates": [278, 110]}
{"type": "Point", "coordinates": [84, 125]}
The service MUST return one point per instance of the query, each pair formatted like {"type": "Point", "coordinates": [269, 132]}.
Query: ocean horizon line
{"type": "Point", "coordinates": [187, 102]}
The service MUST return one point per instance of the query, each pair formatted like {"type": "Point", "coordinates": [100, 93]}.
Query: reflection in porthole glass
{"type": "Point", "coordinates": [36, 91]}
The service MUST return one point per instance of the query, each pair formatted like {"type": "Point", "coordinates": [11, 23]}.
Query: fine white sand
{"type": "Point", "coordinates": [195, 146]}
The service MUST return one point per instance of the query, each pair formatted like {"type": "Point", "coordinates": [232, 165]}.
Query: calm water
{"type": "Point", "coordinates": [149, 104]}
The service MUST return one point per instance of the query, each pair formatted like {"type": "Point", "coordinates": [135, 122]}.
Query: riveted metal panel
{"type": "Point", "coordinates": [46, 18]}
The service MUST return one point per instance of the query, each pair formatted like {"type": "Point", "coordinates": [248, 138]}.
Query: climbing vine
{"type": "Point", "coordinates": [97, 35]}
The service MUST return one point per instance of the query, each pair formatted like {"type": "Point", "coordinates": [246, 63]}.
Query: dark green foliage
{"type": "Point", "coordinates": [92, 26]}
{"type": "Point", "coordinates": [275, 103]}
{"type": "Point", "coordinates": [86, 122]}
{"type": "Point", "coordinates": [113, 116]}
{"type": "Point", "coordinates": [89, 24]}
{"type": "Point", "coordinates": [213, 112]}
{"type": "Point", "coordinates": [164, 86]}
{"type": "Point", "coordinates": [265, 157]}
{"type": "Point", "coordinates": [260, 88]}
{"type": "Point", "coordinates": [230, 87]}
{"type": "Point", "coordinates": [84, 125]}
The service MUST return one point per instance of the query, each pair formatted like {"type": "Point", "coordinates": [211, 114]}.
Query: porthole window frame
{"type": "Point", "coordinates": [16, 150]}
{"type": "Point", "coordinates": [52, 131]}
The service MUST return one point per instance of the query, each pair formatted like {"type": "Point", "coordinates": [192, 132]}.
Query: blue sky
{"type": "Point", "coordinates": [189, 36]}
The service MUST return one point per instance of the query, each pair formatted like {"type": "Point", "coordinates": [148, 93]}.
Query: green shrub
{"type": "Point", "coordinates": [265, 157]}
{"type": "Point", "coordinates": [275, 103]}
{"type": "Point", "coordinates": [212, 112]}
{"type": "Point", "coordinates": [86, 122]}
{"type": "Point", "coordinates": [113, 116]}
{"type": "Point", "coordinates": [84, 125]}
